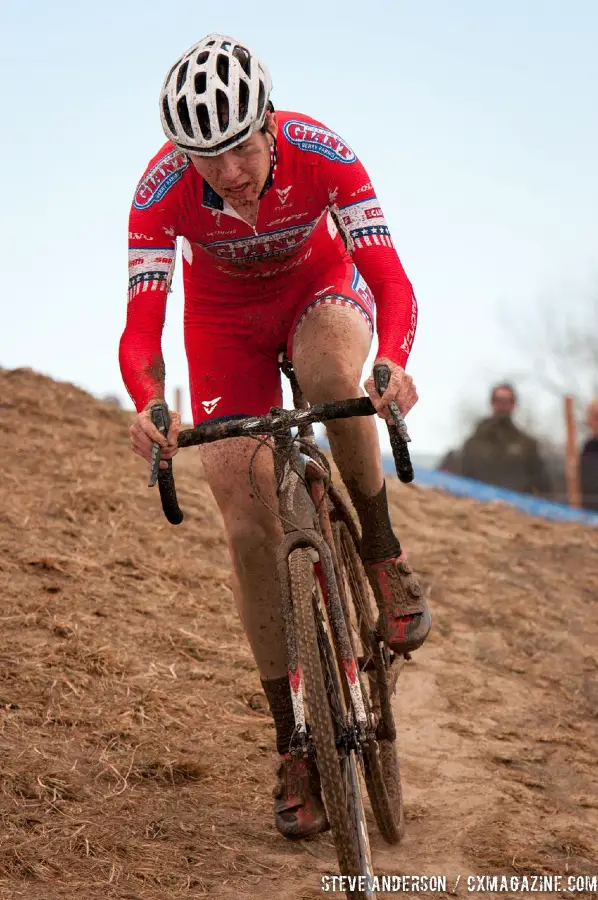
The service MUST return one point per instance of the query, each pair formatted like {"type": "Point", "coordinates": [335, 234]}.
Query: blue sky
{"type": "Point", "coordinates": [476, 121]}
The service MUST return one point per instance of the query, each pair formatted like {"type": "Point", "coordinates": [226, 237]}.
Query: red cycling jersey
{"type": "Point", "coordinates": [246, 288]}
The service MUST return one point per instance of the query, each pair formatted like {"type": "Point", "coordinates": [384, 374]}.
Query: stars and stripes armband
{"type": "Point", "coordinates": [150, 269]}
{"type": "Point", "coordinates": [366, 224]}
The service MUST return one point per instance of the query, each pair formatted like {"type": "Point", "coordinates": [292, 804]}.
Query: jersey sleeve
{"type": "Point", "coordinates": [153, 228]}
{"type": "Point", "coordinates": [350, 189]}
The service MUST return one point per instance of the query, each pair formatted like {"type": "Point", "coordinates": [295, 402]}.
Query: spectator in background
{"type": "Point", "coordinates": [588, 462]}
{"type": "Point", "coordinates": [499, 453]}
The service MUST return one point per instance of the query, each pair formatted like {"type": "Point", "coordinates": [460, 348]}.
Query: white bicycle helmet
{"type": "Point", "coordinates": [215, 96]}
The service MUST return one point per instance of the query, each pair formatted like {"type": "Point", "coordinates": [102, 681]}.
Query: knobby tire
{"type": "Point", "coordinates": [338, 800]}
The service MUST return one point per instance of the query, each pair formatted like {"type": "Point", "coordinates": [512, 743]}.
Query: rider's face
{"type": "Point", "coordinates": [238, 175]}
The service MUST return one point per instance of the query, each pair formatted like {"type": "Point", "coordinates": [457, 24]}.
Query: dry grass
{"type": "Point", "coordinates": [136, 751]}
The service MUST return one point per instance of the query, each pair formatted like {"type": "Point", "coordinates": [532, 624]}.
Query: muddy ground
{"type": "Point", "coordinates": [136, 751]}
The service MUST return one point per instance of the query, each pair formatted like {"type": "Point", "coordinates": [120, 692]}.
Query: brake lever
{"type": "Point", "coordinates": [382, 380]}
{"type": "Point", "coordinates": [161, 419]}
{"type": "Point", "coordinates": [397, 430]}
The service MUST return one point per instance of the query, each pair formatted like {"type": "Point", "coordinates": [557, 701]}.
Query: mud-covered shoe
{"type": "Point", "coordinates": [405, 618]}
{"type": "Point", "coordinates": [298, 807]}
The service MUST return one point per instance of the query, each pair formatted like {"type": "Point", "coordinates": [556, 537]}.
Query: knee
{"type": "Point", "coordinates": [327, 381]}
{"type": "Point", "coordinates": [329, 351]}
{"type": "Point", "coordinates": [248, 539]}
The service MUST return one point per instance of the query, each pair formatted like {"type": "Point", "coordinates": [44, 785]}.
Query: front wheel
{"type": "Point", "coordinates": [330, 726]}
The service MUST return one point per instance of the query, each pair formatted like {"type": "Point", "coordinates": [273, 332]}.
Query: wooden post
{"type": "Point", "coordinates": [571, 458]}
{"type": "Point", "coordinates": [178, 400]}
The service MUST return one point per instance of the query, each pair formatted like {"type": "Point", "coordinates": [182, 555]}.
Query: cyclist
{"type": "Point", "coordinates": [284, 246]}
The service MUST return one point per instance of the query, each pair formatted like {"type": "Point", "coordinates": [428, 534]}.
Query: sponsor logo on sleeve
{"type": "Point", "coordinates": [158, 260]}
{"type": "Point", "coordinates": [365, 220]}
{"type": "Point", "coordinates": [315, 139]}
{"type": "Point", "coordinates": [363, 189]}
{"type": "Point", "coordinates": [138, 236]}
{"type": "Point", "coordinates": [159, 180]}
{"type": "Point", "coordinates": [408, 339]}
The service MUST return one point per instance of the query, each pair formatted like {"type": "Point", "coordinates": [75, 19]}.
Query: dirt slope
{"type": "Point", "coordinates": [136, 754]}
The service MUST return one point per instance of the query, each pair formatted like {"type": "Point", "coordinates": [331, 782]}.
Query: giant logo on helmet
{"type": "Point", "coordinates": [315, 139]}
{"type": "Point", "coordinates": [159, 180]}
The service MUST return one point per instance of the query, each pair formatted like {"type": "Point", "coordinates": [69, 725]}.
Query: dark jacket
{"type": "Point", "coordinates": [588, 474]}
{"type": "Point", "coordinates": [499, 453]}
{"type": "Point", "coordinates": [451, 462]}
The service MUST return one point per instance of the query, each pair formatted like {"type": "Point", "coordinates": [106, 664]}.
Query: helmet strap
{"type": "Point", "coordinates": [273, 162]}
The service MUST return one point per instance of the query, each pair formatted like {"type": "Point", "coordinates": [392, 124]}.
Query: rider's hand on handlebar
{"type": "Point", "coordinates": [401, 389]}
{"type": "Point", "coordinates": [144, 433]}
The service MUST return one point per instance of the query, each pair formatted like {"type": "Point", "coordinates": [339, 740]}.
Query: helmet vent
{"type": "Point", "coordinates": [261, 99]}
{"type": "Point", "coordinates": [222, 68]}
{"type": "Point", "coordinates": [183, 116]}
{"type": "Point", "coordinates": [203, 117]}
{"type": "Point", "coordinates": [223, 110]}
{"type": "Point", "coordinates": [200, 83]}
{"type": "Point", "coordinates": [167, 116]}
{"type": "Point", "coordinates": [180, 79]}
{"type": "Point", "coordinates": [244, 59]}
{"type": "Point", "coordinates": [243, 99]}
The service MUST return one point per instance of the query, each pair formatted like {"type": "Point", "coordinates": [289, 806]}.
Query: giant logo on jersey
{"type": "Point", "coordinates": [159, 180]}
{"type": "Point", "coordinates": [262, 246]}
{"type": "Point", "coordinates": [315, 139]}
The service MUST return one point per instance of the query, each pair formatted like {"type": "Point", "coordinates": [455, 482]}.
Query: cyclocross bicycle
{"type": "Point", "coordinates": [341, 672]}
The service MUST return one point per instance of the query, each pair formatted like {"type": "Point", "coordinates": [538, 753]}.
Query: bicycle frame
{"type": "Point", "coordinates": [319, 531]}
{"type": "Point", "coordinates": [302, 495]}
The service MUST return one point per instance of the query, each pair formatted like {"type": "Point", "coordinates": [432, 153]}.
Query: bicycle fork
{"type": "Point", "coordinates": [299, 518]}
